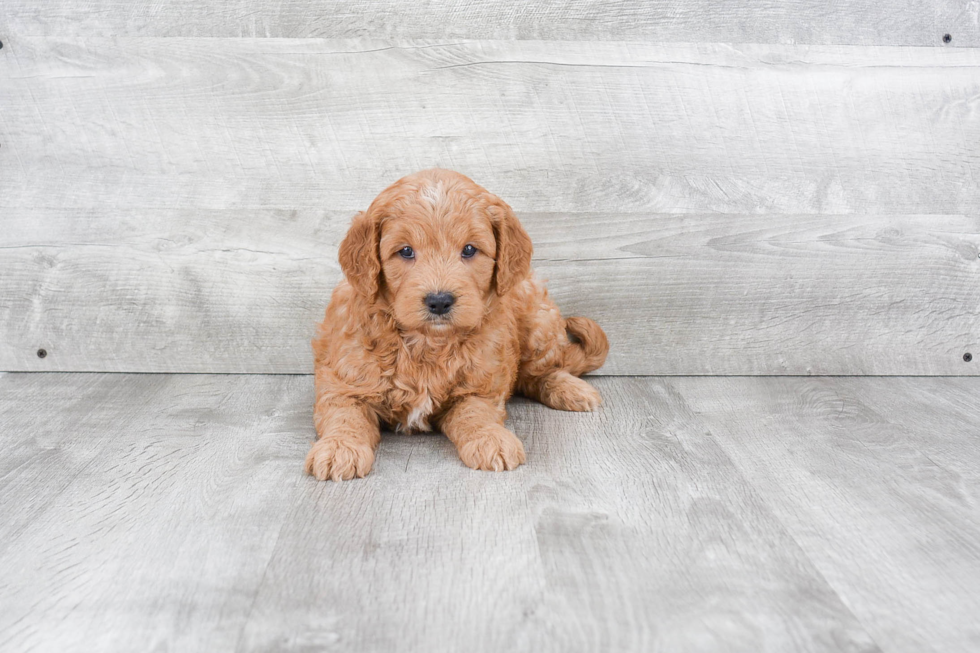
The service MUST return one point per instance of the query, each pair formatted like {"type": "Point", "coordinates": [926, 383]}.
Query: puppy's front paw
{"type": "Point", "coordinates": [567, 392]}
{"type": "Point", "coordinates": [339, 459]}
{"type": "Point", "coordinates": [492, 448]}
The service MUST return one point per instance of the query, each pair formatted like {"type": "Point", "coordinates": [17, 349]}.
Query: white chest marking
{"type": "Point", "coordinates": [417, 419]}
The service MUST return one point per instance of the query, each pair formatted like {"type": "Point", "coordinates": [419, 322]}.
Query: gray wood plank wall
{"type": "Point", "coordinates": [241, 291]}
{"type": "Point", "coordinates": [859, 22]}
{"type": "Point", "coordinates": [791, 191]}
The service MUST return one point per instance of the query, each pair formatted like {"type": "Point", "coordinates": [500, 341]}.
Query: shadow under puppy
{"type": "Point", "coordinates": [440, 319]}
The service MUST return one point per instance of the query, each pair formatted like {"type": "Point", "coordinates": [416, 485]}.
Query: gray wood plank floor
{"type": "Point", "coordinates": [169, 512]}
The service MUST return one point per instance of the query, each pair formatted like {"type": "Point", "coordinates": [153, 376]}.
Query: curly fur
{"type": "Point", "coordinates": [382, 359]}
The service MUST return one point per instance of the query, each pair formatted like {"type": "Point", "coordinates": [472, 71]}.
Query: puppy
{"type": "Point", "coordinates": [440, 319]}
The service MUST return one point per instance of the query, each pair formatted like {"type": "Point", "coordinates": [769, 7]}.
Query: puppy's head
{"type": "Point", "coordinates": [436, 247]}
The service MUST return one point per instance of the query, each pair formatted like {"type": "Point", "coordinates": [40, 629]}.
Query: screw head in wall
{"type": "Point", "coordinates": [41, 353]}
{"type": "Point", "coordinates": [947, 38]}
{"type": "Point", "coordinates": [967, 357]}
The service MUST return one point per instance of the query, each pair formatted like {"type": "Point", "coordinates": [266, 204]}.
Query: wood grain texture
{"type": "Point", "coordinates": [194, 529]}
{"type": "Point", "coordinates": [792, 21]}
{"type": "Point", "coordinates": [550, 126]}
{"type": "Point", "coordinates": [640, 496]}
{"type": "Point", "coordinates": [877, 480]}
{"type": "Point", "coordinates": [159, 541]}
{"type": "Point", "coordinates": [242, 291]}
{"type": "Point", "coordinates": [41, 451]}
{"type": "Point", "coordinates": [610, 538]}
{"type": "Point", "coordinates": [427, 555]}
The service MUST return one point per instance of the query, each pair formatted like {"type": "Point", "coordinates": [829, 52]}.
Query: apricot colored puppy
{"type": "Point", "coordinates": [439, 321]}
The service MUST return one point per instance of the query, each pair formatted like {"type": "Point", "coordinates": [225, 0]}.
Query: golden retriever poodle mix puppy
{"type": "Point", "coordinates": [440, 319]}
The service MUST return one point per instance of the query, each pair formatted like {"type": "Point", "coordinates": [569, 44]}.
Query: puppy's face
{"type": "Point", "coordinates": [436, 247]}
{"type": "Point", "coordinates": [437, 263]}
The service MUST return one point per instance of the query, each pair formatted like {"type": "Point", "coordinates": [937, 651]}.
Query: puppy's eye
{"type": "Point", "coordinates": [406, 252]}
{"type": "Point", "coordinates": [469, 251]}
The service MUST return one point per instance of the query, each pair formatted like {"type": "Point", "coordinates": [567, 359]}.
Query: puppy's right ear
{"type": "Point", "coordinates": [359, 258]}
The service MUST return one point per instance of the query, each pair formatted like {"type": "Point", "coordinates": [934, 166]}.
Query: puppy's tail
{"type": "Point", "coordinates": [588, 348]}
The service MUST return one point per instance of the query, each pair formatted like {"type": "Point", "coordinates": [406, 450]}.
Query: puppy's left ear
{"type": "Point", "coordinates": [359, 258]}
{"type": "Point", "coordinates": [514, 248]}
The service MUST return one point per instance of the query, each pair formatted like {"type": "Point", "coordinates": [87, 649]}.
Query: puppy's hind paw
{"type": "Point", "coordinates": [492, 449]}
{"type": "Point", "coordinates": [563, 391]}
{"type": "Point", "coordinates": [339, 459]}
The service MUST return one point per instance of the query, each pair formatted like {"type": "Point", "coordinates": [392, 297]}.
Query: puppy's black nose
{"type": "Point", "coordinates": [439, 303]}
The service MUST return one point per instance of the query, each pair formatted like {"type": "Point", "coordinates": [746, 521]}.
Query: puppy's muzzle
{"type": "Point", "coordinates": [439, 303]}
